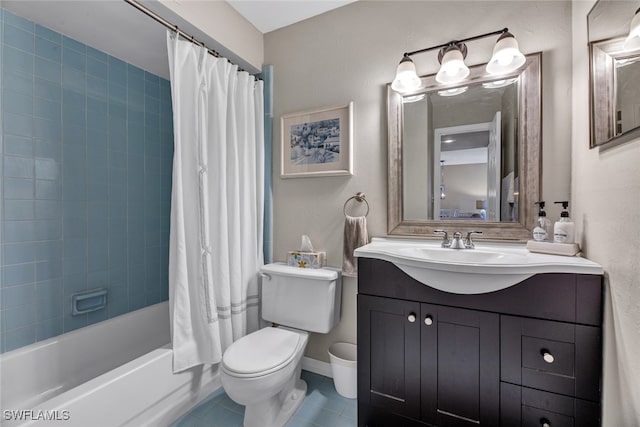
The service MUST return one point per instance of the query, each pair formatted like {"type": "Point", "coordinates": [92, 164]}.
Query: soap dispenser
{"type": "Point", "coordinates": [564, 228]}
{"type": "Point", "coordinates": [542, 231]}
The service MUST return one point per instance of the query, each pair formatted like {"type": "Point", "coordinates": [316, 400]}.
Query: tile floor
{"type": "Point", "coordinates": [323, 407]}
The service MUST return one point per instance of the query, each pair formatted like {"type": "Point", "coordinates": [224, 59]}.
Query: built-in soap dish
{"type": "Point", "coordinates": [88, 301]}
{"type": "Point", "coordinates": [565, 249]}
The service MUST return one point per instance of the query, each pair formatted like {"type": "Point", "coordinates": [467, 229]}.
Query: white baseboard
{"type": "Point", "coordinates": [317, 366]}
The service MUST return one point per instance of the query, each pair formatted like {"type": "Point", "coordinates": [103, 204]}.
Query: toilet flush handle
{"type": "Point", "coordinates": [265, 276]}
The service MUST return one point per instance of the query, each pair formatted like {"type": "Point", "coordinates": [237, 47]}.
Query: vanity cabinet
{"type": "Point", "coordinates": [528, 355]}
{"type": "Point", "coordinates": [421, 354]}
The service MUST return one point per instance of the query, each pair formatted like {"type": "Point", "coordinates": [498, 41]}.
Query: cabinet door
{"type": "Point", "coordinates": [389, 355]}
{"type": "Point", "coordinates": [460, 366]}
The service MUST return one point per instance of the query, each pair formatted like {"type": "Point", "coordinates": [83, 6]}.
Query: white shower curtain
{"type": "Point", "coordinates": [217, 203]}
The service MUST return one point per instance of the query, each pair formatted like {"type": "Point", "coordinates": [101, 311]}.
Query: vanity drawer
{"type": "Point", "coordinates": [526, 407]}
{"type": "Point", "coordinates": [552, 356]}
{"type": "Point", "coordinates": [548, 356]}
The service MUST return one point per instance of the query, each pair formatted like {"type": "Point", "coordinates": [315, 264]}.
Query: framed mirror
{"type": "Point", "coordinates": [614, 74]}
{"type": "Point", "coordinates": [466, 157]}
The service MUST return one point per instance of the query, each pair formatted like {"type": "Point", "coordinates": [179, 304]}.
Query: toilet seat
{"type": "Point", "coordinates": [262, 352]}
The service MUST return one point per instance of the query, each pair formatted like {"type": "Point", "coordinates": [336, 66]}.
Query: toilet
{"type": "Point", "coordinates": [262, 370]}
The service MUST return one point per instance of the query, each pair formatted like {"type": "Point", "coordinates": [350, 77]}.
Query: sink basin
{"type": "Point", "coordinates": [488, 268]}
{"type": "Point", "coordinates": [473, 256]}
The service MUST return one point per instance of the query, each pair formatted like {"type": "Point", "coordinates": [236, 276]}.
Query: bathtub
{"type": "Point", "coordinates": [114, 373]}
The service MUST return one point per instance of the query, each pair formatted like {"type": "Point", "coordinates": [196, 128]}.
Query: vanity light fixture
{"type": "Point", "coordinates": [506, 58]}
{"type": "Point", "coordinates": [499, 83]}
{"type": "Point", "coordinates": [413, 98]}
{"type": "Point", "coordinates": [506, 55]}
{"type": "Point", "coordinates": [453, 92]}
{"type": "Point", "coordinates": [452, 66]}
{"type": "Point", "coordinates": [406, 77]}
{"type": "Point", "coordinates": [625, 61]}
{"type": "Point", "coordinates": [633, 39]}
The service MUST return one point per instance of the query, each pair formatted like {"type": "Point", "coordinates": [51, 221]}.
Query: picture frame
{"type": "Point", "coordinates": [317, 142]}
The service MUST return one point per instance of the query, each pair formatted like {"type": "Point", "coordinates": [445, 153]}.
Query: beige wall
{"type": "Point", "coordinates": [350, 54]}
{"type": "Point", "coordinates": [120, 30]}
{"type": "Point", "coordinates": [606, 204]}
{"type": "Point", "coordinates": [224, 28]}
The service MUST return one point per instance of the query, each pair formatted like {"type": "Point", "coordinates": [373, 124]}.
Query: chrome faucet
{"type": "Point", "coordinates": [456, 242]}
{"type": "Point", "coordinates": [445, 239]}
{"type": "Point", "coordinates": [468, 243]}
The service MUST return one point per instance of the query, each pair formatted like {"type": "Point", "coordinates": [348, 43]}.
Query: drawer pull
{"type": "Point", "coordinates": [547, 356]}
{"type": "Point", "coordinates": [411, 317]}
{"type": "Point", "coordinates": [428, 321]}
{"type": "Point", "coordinates": [545, 422]}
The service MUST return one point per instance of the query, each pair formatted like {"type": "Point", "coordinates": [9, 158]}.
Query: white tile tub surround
{"type": "Point", "coordinates": [116, 372]}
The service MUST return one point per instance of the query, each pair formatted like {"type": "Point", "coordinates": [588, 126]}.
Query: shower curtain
{"type": "Point", "coordinates": [215, 249]}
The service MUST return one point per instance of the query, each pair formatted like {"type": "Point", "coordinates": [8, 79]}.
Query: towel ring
{"type": "Point", "coordinates": [360, 197]}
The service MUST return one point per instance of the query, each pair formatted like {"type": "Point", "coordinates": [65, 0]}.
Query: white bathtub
{"type": "Point", "coordinates": [114, 373]}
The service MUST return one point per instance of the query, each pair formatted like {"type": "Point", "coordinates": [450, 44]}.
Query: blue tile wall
{"type": "Point", "coordinates": [87, 148]}
{"type": "Point", "coordinates": [267, 77]}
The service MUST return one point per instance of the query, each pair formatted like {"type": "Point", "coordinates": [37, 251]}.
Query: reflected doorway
{"type": "Point", "coordinates": [466, 178]}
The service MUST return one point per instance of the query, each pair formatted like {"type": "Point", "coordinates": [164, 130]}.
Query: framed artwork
{"type": "Point", "coordinates": [317, 143]}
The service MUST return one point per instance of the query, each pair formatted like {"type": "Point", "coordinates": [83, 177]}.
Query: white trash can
{"type": "Point", "coordinates": [343, 356]}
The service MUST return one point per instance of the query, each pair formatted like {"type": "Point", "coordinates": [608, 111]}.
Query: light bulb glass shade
{"type": "Point", "coordinates": [453, 68]}
{"type": "Point", "coordinates": [506, 56]}
{"type": "Point", "coordinates": [633, 39]}
{"type": "Point", "coordinates": [406, 78]}
{"type": "Point", "coordinates": [453, 92]}
{"type": "Point", "coordinates": [413, 98]}
{"type": "Point", "coordinates": [499, 83]}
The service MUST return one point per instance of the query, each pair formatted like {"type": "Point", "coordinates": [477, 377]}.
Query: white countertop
{"type": "Point", "coordinates": [487, 268]}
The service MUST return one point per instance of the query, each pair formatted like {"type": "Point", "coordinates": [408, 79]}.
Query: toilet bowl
{"type": "Point", "coordinates": [262, 371]}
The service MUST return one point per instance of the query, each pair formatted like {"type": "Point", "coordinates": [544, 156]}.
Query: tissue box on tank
{"type": "Point", "coordinates": [306, 259]}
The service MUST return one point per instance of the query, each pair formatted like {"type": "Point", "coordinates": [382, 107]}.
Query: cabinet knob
{"type": "Point", "coordinates": [545, 422]}
{"type": "Point", "coordinates": [411, 317]}
{"type": "Point", "coordinates": [547, 356]}
{"type": "Point", "coordinates": [428, 321]}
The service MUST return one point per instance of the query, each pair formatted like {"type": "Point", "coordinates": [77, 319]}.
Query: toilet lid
{"type": "Point", "coordinates": [261, 351]}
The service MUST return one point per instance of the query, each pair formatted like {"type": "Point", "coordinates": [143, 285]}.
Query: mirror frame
{"type": "Point", "coordinates": [529, 159]}
{"type": "Point", "coordinates": [602, 74]}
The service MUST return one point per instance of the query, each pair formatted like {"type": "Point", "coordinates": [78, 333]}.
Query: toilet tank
{"type": "Point", "coordinates": [301, 298]}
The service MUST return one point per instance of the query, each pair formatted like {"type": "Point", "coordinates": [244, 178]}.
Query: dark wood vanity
{"type": "Point", "coordinates": [528, 355]}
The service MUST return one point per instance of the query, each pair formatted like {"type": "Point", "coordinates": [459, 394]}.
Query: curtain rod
{"type": "Point", "coordinates": [178, 31]}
